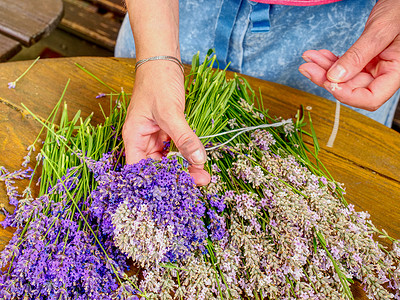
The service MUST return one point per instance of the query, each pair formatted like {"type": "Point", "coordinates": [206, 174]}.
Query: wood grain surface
{"type": "Point", "coordinates": [8, 47]}
{"type": "Point", "coordinates": [82, 18]}
{"type": "Point", "coordinates": [365, 156]}
{"type": "Point", "coordinates": [27, 21]}
{"type": "Point", "coordinates": [116, 6]}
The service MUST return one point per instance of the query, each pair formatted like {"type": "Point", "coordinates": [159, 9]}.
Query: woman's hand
{"type": "Point", "coordinates": [156, 114]}
{"type": "Point", "coordinates": [368, 74]}
{"type": "Point", "coordinates": [156, 111]}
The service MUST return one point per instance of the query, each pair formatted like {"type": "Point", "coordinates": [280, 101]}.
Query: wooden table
{"type": "Point", "coordinates": [24, 22]}
{"type": "Point", "coordinates": [365, 156]}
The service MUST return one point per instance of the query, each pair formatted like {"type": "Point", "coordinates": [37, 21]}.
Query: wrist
{"type": "Point", "coordinates": [163, 58]}
{"type": "Point", "coordinates": [155, 26]}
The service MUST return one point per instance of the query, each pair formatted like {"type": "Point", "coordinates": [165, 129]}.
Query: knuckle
{"type": "Point", "coordinates": [186, 142]}
{"type": "Point", "coordinates": [355, 57]}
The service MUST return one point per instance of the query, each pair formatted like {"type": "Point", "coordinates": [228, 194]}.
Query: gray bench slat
{"type": "Point", "coordinates": [8, 48]}
{"type": "Point", "coordinates": [82, 19]}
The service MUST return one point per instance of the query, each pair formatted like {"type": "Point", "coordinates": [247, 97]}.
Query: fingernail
{"type": "Point", "coordinates": [198, 157]}
{"type": "Point", "coordinates": [307, 59]}
{"type": "Point", "coordinates": [336, 74]}
{"type": "Point", "coordinates": [305, 73]}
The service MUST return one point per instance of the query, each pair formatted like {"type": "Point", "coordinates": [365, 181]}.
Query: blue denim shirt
{"type": "Point", "coordinates": [267, 41]}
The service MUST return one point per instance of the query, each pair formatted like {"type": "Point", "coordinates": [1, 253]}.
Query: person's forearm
{"type": "Point", "coordinates": [155, 26]}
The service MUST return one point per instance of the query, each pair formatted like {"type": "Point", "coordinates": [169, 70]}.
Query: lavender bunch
{"type": "Point", "coordinates": [285, 244]}
{"type": "Point", "coordinates": [157, 216]}
{"type": "Point", "coordinates": [290, 232]}
{"type": "Point", "coordinates": [153, 210]}
{"type": "Point", "coordinates": [55, 252]}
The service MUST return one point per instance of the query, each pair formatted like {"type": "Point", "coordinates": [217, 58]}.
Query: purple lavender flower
{"type": "Point", "coordinates": [262, 139]}
{"type": "Point", "coordinates": [167, 145]}
{"type": "Point", "coordinates": [324, 180]}
{"type": "Point", "coordinates": [100, 95]}
{"type": "Point", "coordinates": [216, 226]}
{"type": "Point", "coordinates": [216, 202]}
{"type": "Point", "coordinates": [67, 182]}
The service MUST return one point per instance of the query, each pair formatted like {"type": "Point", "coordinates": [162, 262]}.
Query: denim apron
{"type": "Point", "coordinates": [267, 41]}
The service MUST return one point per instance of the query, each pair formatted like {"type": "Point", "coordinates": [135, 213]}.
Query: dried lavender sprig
{"type": "Point", "coordinates": [12, 85]}
{"type": "Point", "coordinates": [101, 95]}
{"type": "Point", "coordinates": [342, 277]}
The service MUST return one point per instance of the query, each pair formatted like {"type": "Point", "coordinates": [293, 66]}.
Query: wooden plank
{"type": "Point", "coordinates": [29, 21]}
{"type": "Point", "coordinates": [42, 87]}
{"type": "Point", "coordinates": [24, 29]}
{"type": "Point", "coordinates": [47, 11]}
{"type": "Point", "coordinates": [8, 48]}
{"type": "Point", "coordinates": [82, 19]}
{"type": "Point", "coordinates": [115, 6]}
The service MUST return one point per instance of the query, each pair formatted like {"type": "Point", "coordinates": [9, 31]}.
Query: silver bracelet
{"type": "Point", "coordinates": [161, 57]}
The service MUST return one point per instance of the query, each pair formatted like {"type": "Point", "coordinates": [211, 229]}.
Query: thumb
{"type": "Point", "coordinates": [187, 142]}
{"type": "Point", "coordinates": [364, 50]}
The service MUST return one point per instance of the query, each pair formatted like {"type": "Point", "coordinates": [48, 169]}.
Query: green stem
{"type": "Point", "coordinates": [95, 77]}
{"type": "Point", "coordinates": [27, 70]}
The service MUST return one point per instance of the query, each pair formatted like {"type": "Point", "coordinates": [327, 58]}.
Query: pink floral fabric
{"type": "Point", "coordinates": [297, 2]}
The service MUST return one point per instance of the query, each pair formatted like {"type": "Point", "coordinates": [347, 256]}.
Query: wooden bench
{"type": "Point", "coordinates": [97, 21]}
{"type": "Point", "coordinates": [25, 22]}
{"type": "Point", "coordinates": [8, 48]}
